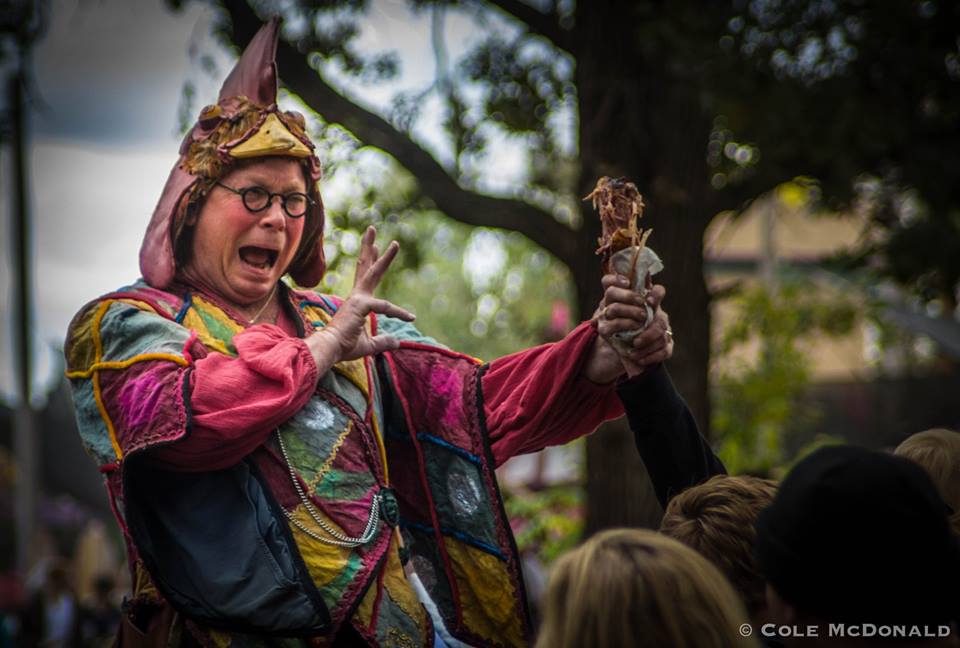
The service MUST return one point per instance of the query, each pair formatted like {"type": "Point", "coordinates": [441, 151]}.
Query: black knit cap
{"type": "Point", "coordinates": [859, 536]}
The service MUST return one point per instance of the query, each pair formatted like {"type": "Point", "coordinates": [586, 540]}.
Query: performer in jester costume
{"type": "Point", "coordinates": [291, 468]}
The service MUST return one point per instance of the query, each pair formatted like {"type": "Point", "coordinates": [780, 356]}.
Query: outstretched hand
{"type": "Point", "coordinates": [348, 329]}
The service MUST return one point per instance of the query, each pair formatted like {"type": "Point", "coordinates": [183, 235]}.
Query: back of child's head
{"type": "Point", "coordinates": [938, 452]}
{"type": "Point", "coordinates": [717, 519]}
{"type": "Point", "coordinates": [631, 587]}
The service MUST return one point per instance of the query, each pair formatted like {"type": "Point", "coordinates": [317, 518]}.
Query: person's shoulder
{"type": "Point", "coordinates": [135, 297]}
{"type": "Point", "coordinates": [121, 323]}
{"type": "Point", "coordinates": [306, 298]}
{"type": "Point", "coordinates": [138, 294]}
{"type": "Point", "coordinates": [405, 331]}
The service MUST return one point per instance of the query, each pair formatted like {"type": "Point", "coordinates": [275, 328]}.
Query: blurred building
{"type": "Point", "coordinates": [771, 242]}
{"type": "Point", "coordinates": [869, 391]}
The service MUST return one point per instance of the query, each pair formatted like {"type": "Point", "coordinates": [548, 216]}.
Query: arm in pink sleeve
{"type": "Point", "coordinates": [538, 397]}
{"type": "Point", "coordinates": [235, 403]}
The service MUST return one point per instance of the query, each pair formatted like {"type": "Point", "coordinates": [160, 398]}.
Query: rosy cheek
{"type": "Point", "coordinates": [295, 231]}
{"type": "Point", "coordinates": [236, 221]}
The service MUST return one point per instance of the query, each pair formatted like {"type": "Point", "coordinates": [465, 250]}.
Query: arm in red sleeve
{"type": "Point", "coordinates": [236, 403]}
{"type": "Point", "coordinates": [538, 397]}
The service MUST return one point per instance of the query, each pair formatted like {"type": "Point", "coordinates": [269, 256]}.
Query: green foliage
{"type": "Point", "coordinates": [757, 400]}
{"type": "Point", "coordinates": [906, 241]}
{"type": "Point", "coordinates": [819, 441]}
{"type": "Point", "coordinates": [865, 97]}
{"type": "Point", "coordinates": [480, 292]}
{"type": "Point", "coordinates": [329, 30]}
{"type": "Point", "coordinates": [523, 90]}
{"type": "Point", "coordinates": [547, 522]}
{"type": "Point", "coordinates": [524, 83]}
{"type": "Point", "coordinates": [793, 87]}
{"type": "Point", "coordinates": [841, 91]}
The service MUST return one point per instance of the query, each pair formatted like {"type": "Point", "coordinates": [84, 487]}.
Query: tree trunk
{"type": "Point", "coordinates": [650, 128]}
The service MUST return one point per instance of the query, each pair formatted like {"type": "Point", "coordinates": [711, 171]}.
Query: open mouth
{"type": "Point", "coordinates": [258, 257]}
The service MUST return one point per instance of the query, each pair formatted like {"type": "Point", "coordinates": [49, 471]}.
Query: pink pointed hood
{"type": "Point", "coordinates": [244, 123]}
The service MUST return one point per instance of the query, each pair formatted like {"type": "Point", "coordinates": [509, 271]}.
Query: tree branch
{"type": "Point", "coordinates": [537, 22]}
{"type": "Point", "coordinates": [456, 202]}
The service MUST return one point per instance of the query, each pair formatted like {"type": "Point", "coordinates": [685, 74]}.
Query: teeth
{"type": "Point", "coordinates": [268, 257]}
{"type": "Point", "coordinates": [259, 266]}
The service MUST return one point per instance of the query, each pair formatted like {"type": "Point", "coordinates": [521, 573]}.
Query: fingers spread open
{"type": "Point", "coordinates": [381, 343]}
{"type": "Point", "coordinates": [383, 307]}
{"type": "Point", "coordinates": [367, 245]}
{"type": "Point", "coordinates": [375, 272]}
{"type": "Point", "coordinates": [367, 256]}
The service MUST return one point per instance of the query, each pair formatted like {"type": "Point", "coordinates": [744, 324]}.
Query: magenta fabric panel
{"type": "Point", "coordinates": [440, 400]}
{"type": "Point", "coordinates": [145, 403]}
{"type": "Point", "coordinates": [450, 414]}
{"type": "Point", "coordinates": [538, 398]}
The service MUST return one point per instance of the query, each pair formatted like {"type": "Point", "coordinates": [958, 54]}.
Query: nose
{"type": "Point", "coordinates": [273, 217]}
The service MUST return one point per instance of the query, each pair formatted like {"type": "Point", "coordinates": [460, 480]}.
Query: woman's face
{"type": "Point", "coordinates": [241, 254]}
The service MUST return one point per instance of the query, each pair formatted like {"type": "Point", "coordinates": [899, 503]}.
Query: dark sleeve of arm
{"type": "Point", "coordinates": [669, 442]}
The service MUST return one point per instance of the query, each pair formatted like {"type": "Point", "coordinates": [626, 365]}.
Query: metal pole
{"type": "Point", "coordinates": [24, 438]}
{"type": "Point", "coordinates": [768, 259]}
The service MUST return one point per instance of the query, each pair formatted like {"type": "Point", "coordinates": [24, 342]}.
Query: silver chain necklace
{"type": "Point", "coordinates": [338, 539]}
{"type": "Point", "coordinates": [265, 304]}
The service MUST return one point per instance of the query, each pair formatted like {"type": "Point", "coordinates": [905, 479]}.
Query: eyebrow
{"type": "Point", "coordinates": [263, 181]}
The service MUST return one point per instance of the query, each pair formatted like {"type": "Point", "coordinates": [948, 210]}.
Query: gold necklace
{"type": "Point", "coordinates": [264, 307]}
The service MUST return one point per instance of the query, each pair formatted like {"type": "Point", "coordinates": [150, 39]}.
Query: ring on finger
{"type": "Point", "coordinates": [603, 311]}
{"type": "Point", "coordinates": [669, 333]}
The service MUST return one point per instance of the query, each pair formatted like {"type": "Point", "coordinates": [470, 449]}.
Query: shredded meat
{"type": "Point", "coordinates": [620, 206]}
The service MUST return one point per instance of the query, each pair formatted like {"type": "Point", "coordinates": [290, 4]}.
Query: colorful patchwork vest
{"type": "Point", "coordinates": [392, 450]}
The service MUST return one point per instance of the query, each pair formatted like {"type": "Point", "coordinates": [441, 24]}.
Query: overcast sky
{"type": "Point", "coordinates": [107, 80]}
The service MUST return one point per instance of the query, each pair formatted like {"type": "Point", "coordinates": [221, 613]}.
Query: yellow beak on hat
{"type": "Point", "coordinates": [272, 138]}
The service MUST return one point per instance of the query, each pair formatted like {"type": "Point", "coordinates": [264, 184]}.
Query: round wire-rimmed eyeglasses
{"type": "Point", "coordinates": [256, 199]}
